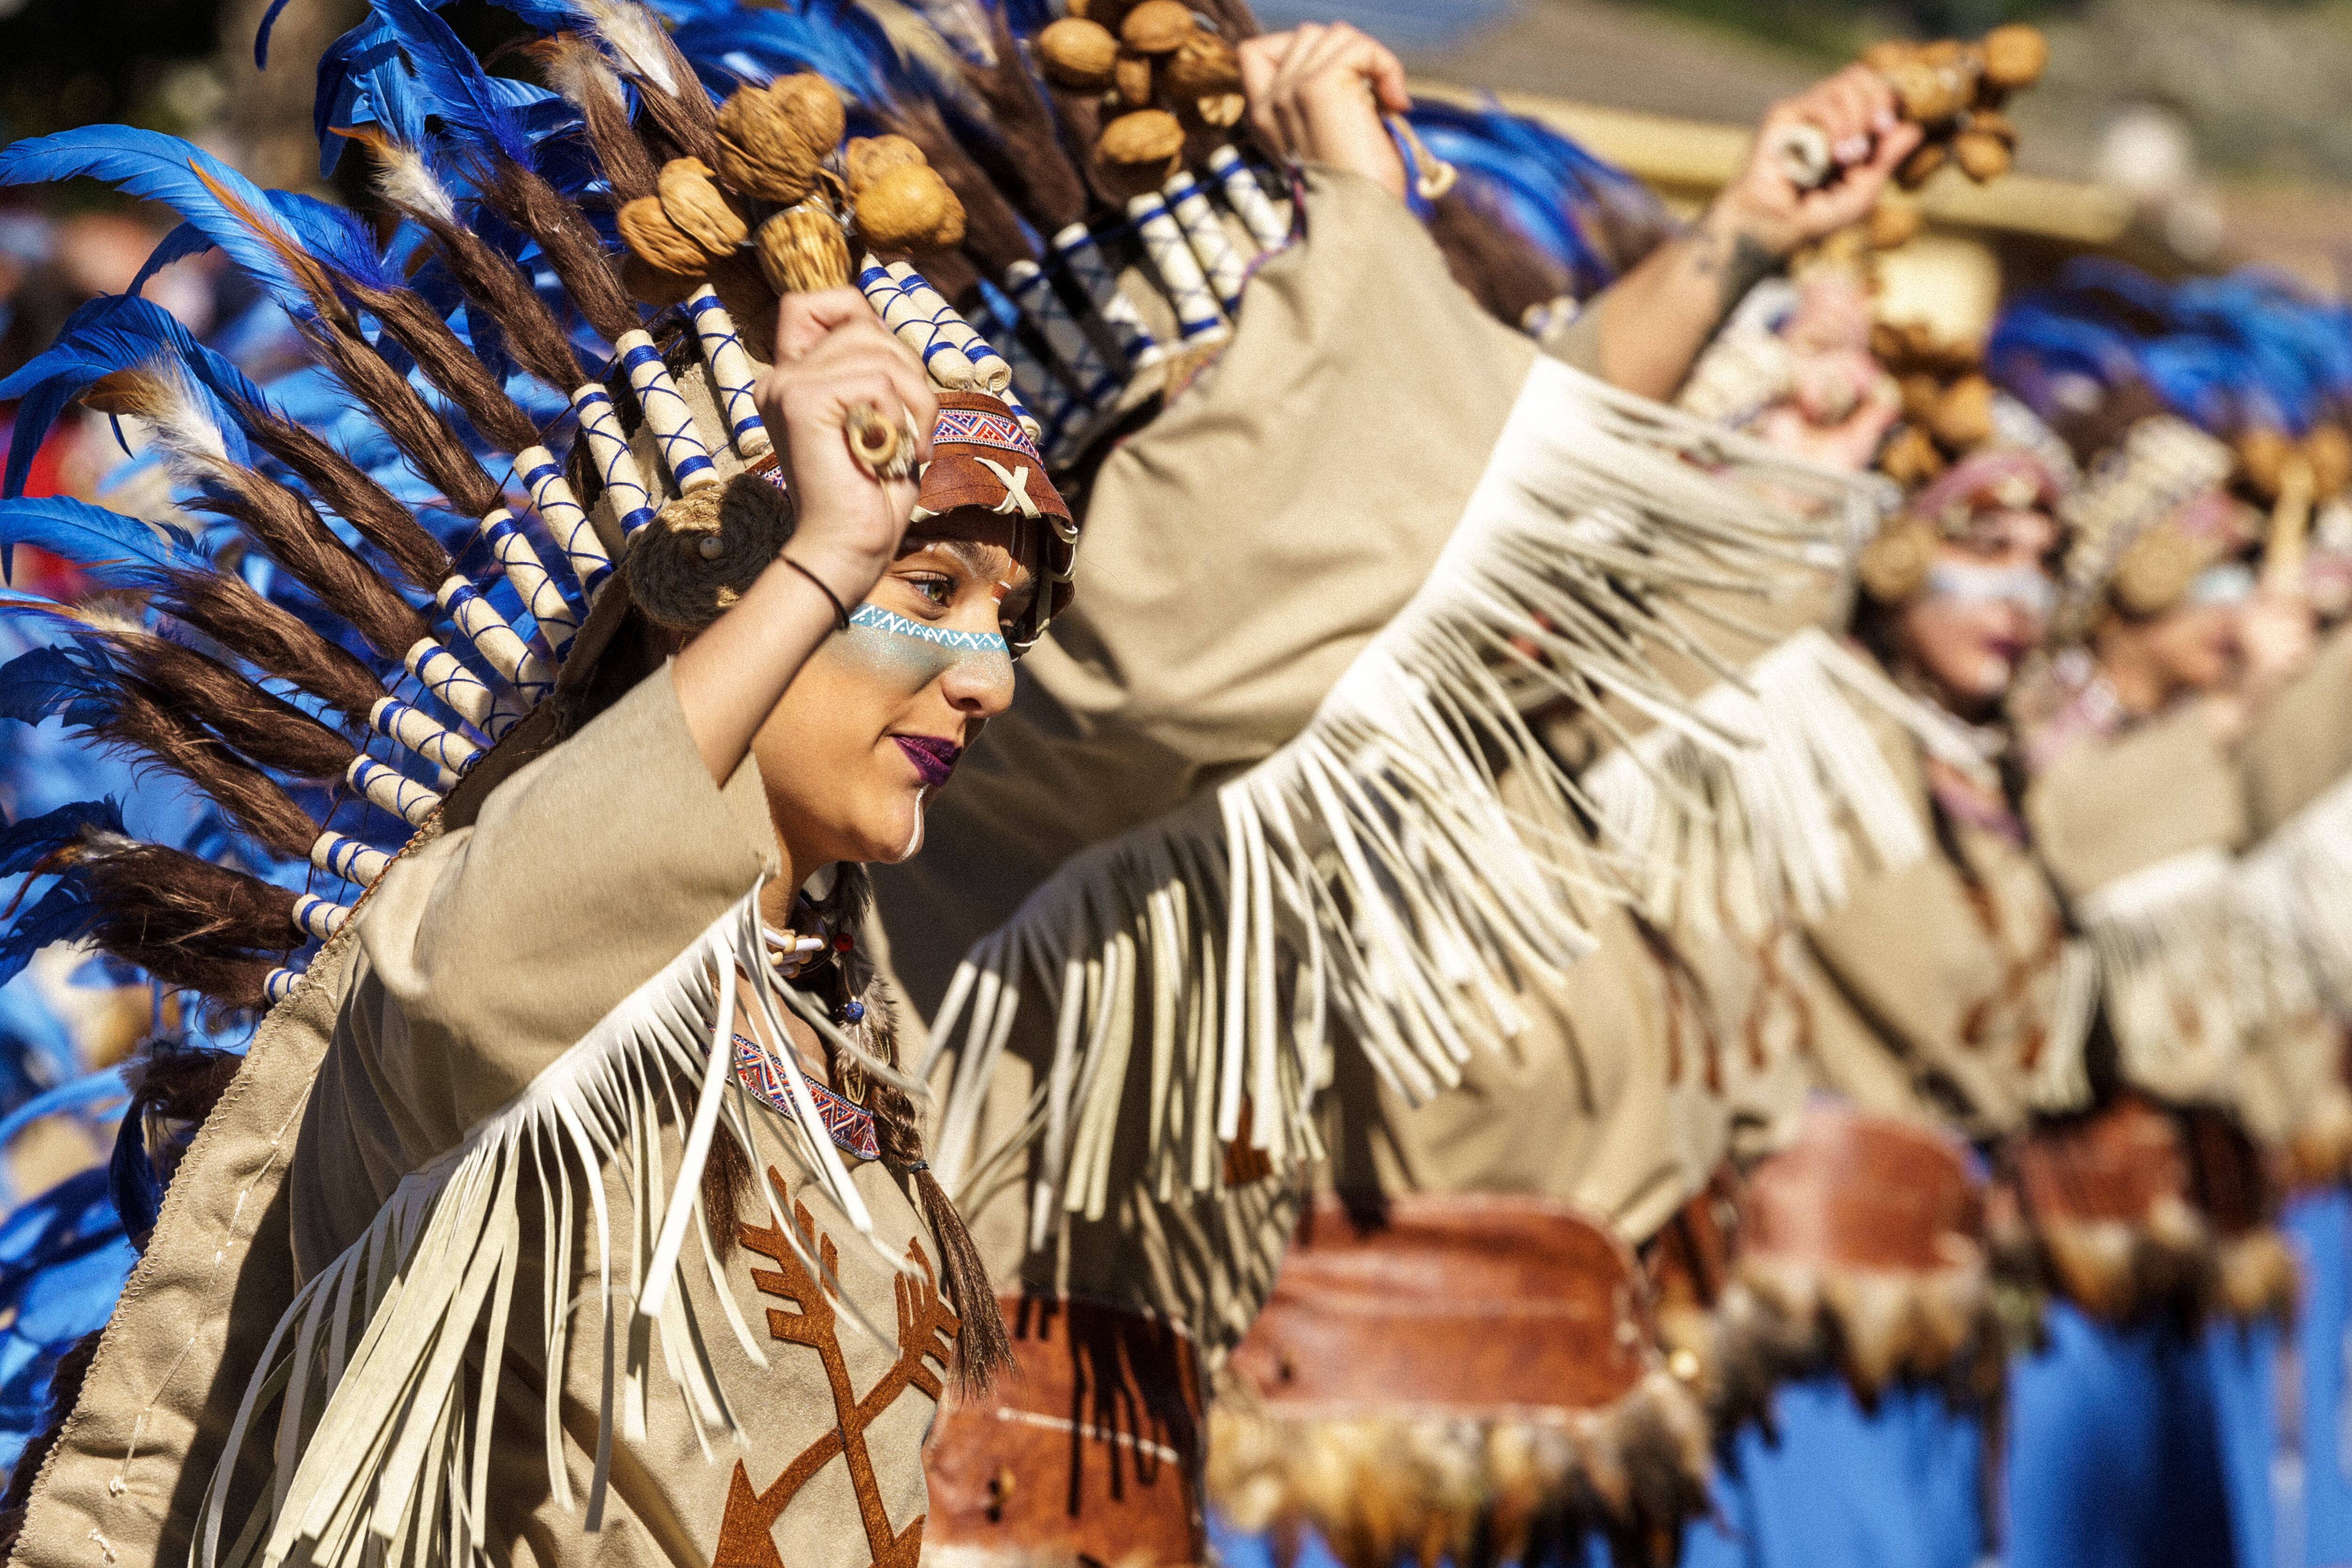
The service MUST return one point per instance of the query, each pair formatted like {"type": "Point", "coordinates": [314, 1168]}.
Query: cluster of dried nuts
{"type": "Point", "coordinates": [1157, 67]}
{"type": "Point", "coordinates": [1954, 92]}
{"type": "Point", "coordinates": [1947, 401]}
{"type": "Point", "coordinates": [779, 187]}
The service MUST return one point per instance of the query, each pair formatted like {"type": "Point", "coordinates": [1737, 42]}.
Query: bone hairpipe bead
{"type": "Point", "coordinates": [1065, 339]}
{"type": "Point", "coordinates": [566, 519]}
{"type": "Point", "coordinates": [731, 375]}
{"type": "Point", "coordinates": [1180, 271]}
{"type": "Point", "coordinates": [392, 790]}
{"type": "Point", "coordinates": [436, 743]}
{"type": "Point", "coordinates": [950, 327]}
{"type": "Point", "coordinates": [314, 916]}
{"type": "Point", "coordinates": [616, 466]}
{"type": "Point", "coordinates": [1075, 250]}
{"type": "Point", "coordinates": [528, 577]}
{"type": "Point", "coordinates": [667, 413]}
{"type": "Point", "coordinates": [1211, 246]}
{"type": "Point", "coordinates": [496, 641]}
{"type": "Point", "coordinates": [945, 362]}
{"type": "Point", "coordinates": [340, 855]}
{"type": "Point", "coordinates": [1248, 199]}
{"type": "Point", "coordinates": [457, 686]}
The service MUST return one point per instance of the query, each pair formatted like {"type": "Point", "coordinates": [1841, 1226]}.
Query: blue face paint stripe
{"type": "Point", "coordinates": [875, 618]}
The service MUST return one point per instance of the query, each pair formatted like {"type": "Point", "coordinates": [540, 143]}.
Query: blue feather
{"type": "Point", "coordinates": [24, 844]}
{"type": "Point", "coordinates": [50, 682]}
{"type": "Point", "coordinates": [156, 167]}
{"type": "Point", "coordinates": [115, 550]}
{"type": "Point", "coordinates": [331, 233]}
{"type": "Point", "coordinates": [114, 332]}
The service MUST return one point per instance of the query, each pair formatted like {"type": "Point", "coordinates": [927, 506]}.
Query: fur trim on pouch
{"type": "Point", "coordinates": [1474, 1490]}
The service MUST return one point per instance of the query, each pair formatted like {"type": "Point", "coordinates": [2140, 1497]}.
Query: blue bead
{"type": "Point", "coordinates": [851, 1011]}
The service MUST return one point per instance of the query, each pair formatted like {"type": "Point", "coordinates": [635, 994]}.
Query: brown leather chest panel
{"type": "Point", "coordinates": [1859, 1191]}
{"type": "Point", "coordinates": [1456, 1304]}
{"type": "Point", "coordinates": [1092, 1450]}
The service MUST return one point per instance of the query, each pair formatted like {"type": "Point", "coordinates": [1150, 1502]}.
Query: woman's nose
{"type": "Point", "coordinates": [980, 684]}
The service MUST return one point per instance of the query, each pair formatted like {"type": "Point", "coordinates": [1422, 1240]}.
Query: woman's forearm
{"type": "Point", "coordinates": [1654, 321]}
{"type": "Point", "coordinates": [730, 677]}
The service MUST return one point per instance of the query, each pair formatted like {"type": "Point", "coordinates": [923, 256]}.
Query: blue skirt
{"type": "Point", "coordinates": [1842, 1488]}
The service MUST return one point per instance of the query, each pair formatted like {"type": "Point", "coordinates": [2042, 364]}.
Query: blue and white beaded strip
{"type": "Point", "coordinates": [668, 414]}
{"type": "Point", "coordinates": [518, 561]}
{"type": "Point", "coordinates": [435, 742]}
{"type": "Point", "coordinates": [567, 520]}
{"type": "Point", "coordinates": [616, 466]}
{"type": "Point", "coordinates": [339, 855]}
{"type": "Point", "coordinates": [1075, 250]}
{"type": "Point", "coordinates": [392, 790]}
{"type": "Point", "coordinates": [945, 363]}
{"type": "Point", "coordinates": [989, 373]}
{"type": "Point", "coordinates": [314, 916]}
{"type": "Point", "coordinates": [733, 380]}
{"type": "Point", "coordinates": [496, 641]}
{"type": "Point", "coordinates": [1180, 271]}
{"type": "Point", "coordinates": [875, 618]}
{"type": "Point", "coordinates": [1065, 339]}
{"type": "Point", "coordinates": [1248, 199]}
{"type": "Point", "coordinates": [1211, 246]}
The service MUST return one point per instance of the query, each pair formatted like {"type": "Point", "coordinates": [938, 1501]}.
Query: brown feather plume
{"type": "Point", "coordinates": [155, 900]}
{"type": "Point", "coordinates": [584, 76]}
{"type": "Point", "coordinates": [686, 117]}
{"type": "Point", "coordinates": [1030, 165]}
{"type": "Point", "coordinates": [262, 727]}
{"type": "Point", "coordinates": [353, 495]}
{"type": "Point", "coordinates": [572, 247]}
{"type": "Point", "coordinates": [449, 364]}
{"type": "Point", "coordinates": [436, 450]}
{"type": "Point", "coordinates": [272, 638]}
{"type": "Point", "coordinates": [493, 285]}
{"type": "Point", "coordinates": [1079, 117]}
{"type": "Point", "coordinates": [138, 722]}
{"type": "Point", "coordinates": [283, 523]}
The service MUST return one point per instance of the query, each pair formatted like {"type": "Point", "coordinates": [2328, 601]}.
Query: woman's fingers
{"type": "Point", "coordinates": [804, 321]}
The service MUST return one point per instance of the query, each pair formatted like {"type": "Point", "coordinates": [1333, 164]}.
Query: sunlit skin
{"type": "Point", "coordinates": [840, 784]}
{"type": "Point", "coordinates": [1967, 649]}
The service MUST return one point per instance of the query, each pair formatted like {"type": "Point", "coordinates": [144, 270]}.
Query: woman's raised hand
{"type": "Point", "coordinates": [834, 357]}
{"type": "Point", "coordinates": [1317, 94]}
{"type": "Point", "coordinates": [834, 360]}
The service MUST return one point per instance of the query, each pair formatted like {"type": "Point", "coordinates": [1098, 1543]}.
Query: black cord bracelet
{"type": "Point", "coordinates": [840, 610]}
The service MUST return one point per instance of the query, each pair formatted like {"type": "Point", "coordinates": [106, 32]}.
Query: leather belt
{"type": "Point", "coordinates": [1468, 1305]}
{"type": "Point", "coordinates": [2114, 1165]}
{"type": "Point", "coordinates": [1091, 1450]}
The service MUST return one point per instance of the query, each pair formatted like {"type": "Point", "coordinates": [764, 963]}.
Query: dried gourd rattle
{"type": "Point", "coordinates": [1952, 92]}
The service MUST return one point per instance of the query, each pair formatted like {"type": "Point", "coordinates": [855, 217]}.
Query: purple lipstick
{"type": "Point", "coordinates": [933, 758]}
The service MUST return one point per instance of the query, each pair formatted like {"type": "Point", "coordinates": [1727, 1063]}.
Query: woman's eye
{"type": "Point", "coordinates": [936, 590]}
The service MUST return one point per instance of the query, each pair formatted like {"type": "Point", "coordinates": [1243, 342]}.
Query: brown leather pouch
{"type": "Point", "coordinates": [1860, 1191]}
{"type": "Point", "coordinates": [1469, 1304]}
{"type": "Point", "coordinates": [1092, 1451]}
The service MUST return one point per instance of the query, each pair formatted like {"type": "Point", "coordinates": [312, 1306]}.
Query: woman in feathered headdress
{"type": "Point", "coordinates": [613, 990]}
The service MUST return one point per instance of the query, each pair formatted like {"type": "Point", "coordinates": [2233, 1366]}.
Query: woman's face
{"type": "Point", "coordinates": [875, 722]}
{"type": "Point", "coordinates": [1986, 603]}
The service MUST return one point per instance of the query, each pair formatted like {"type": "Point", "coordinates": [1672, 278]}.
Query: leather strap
{"type": "Point", "coordinates": [1471, 1305]}
{"type": "Point", "coordinates": [1091, 1450]}
{"type": "Point", "coordinates": [1860, 1191]}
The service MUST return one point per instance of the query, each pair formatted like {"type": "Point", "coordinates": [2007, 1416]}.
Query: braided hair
{"type": "Point", "coordinates": [984, 1349]}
